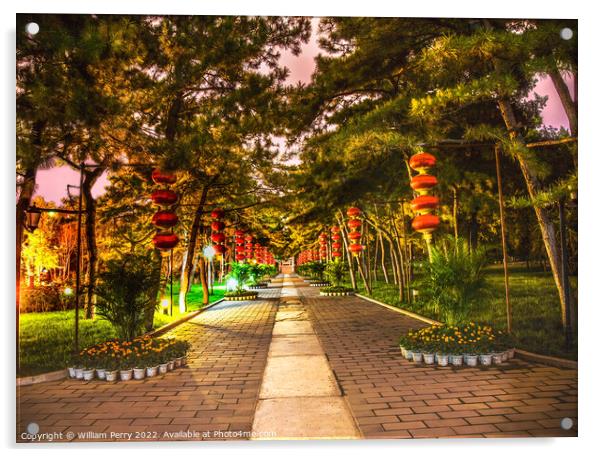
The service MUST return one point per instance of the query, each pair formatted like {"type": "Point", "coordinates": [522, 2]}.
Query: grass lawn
{"type": "Point", "coordinates": [47, 338]}
{"type": "Point", "coordinates": [534, 299]}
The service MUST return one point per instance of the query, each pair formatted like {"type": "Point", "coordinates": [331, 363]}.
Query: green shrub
{"type": "Point", "coordinates": [241, 273]}
{"type": "Point", "coordinates": [335, 272]}
{"type": "Point", "coordinates": [453, 283]}
{"type": "Point", "coordinates": [124, 292]}
{"type": "Point", "coordinates": [46, 298]}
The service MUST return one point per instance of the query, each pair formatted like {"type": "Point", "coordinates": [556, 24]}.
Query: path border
{"type": "Point", "coordinates": [64, 373]}
{"type": "Point", "coordinates": [520, 353]}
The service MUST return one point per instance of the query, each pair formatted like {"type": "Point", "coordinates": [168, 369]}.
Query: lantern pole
{"type": "Point", "coordinates": [171, 283]}
{"type": "Point", "coordinates": [78, 259]}
{"type": "Point", "coordinates": [503, 235]}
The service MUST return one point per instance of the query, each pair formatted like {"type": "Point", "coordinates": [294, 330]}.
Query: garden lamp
{"type": "Point", "coordinates": [33, 218]}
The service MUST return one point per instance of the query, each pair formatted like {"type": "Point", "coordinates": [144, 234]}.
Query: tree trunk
{"type": "Point", "coordinates": [156, 292]}
{"type": "Point", "coordinates": [455, 212]}
{"type": "Point", "coordinates": [570, 107]}
{"type": "Point", "coordinates": [383, 260]}
{"type": "Point", "coordinates": [90, 178]}
{"type": "Point", "coordinates": [204, 282]}
{"type": "Point", "coordinates": [190, 249]}
{"type": "Point", "coordinates": [545, 223]}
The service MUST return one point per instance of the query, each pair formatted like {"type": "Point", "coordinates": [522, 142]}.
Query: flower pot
{"type": "Point", "coordinates": [429, 359]}
{"type": "Point", "coordinates": [79, 373]}
{"type": "Point", "coordinates": [404, 351]}
{"type": "Point", "coordinates": [125, 375]}
{"type": "Point", "coordinates": [170, 365]}
{"type": "Point", "coordinates": [177, 362]}
{"type": "Point", "coordinates": [88, 375]}
{"type": "Point", "coordinates": [485, 359]}
{"type": "Point", "coordinates": [111, 375]}
{"type": "Point", "coordinates": [151, 371]}
{"type": "Point", "coordinates": [456, 360]}
{"type": "Point", "coordinates": [417, 356]}
{"type": "Point", "coordinates": [71, 372]}
{"type": "Point", "coordinates": [471, 360]}
{"type": "Point", "coordinates": [183, 361]}
{"type": "Point", "coordinates": [101, 373]}
{"type": "Point", "coordinates": [162, 368]}
{"type": "Point", "coordinates": [497, 358]}
{"type": "Point", "coordinates": [442, 360]}
{"type": "Point", "coordinates": [139, 373]}
{"type": "Point", "coordinates": [510, 353]}
{"type": "Point", "coordinates": [409, 354]}
{"type": "Point", "coordinates": [504, 356]}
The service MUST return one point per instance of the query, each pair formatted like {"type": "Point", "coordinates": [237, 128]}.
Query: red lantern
{"type": "Point", "coordinates": [335, 229]}
{"type": "Point", "coordinates": [217, 213]}
{"type": "Point", "coordinates": [424, 204]}
{"type": "Point", "coordinates": [163, 177]}
{"type": "Point", "coordinates": [239, 240]}
{"type": "Point", "coordinates": [354, 223]}
{"type": "Point", "coordinates": [336, 245]}
{"type": "Point", "coordinates": [355, 236]}
{"type": "Point", "coordinates": [240, 234]}
{"type": "Point", "coordinates": [249, 238]}
{"type": "Point", "coordinates": [217, 226]}
{"type": "Point", "coordinates": [354, 212]}
{"type": "Point", "coordinates": [422, 161]}
{"type": "Point", "coordinates": [240, 249]}
{"type": "Point", "coordinates": [219, 248]}
{"type": "Point", "coordinates": [165, 219]}
{"type": "Point", "coordinates": [218, 237]}
{"type": "Point", "coordinates": [356, 248]}
{"type": "Point", "coordinates": [336, 254]}
{"type": "Point", "coordinates": [336, 237]}
{"type": "Point", "coordinates": [425, 223]}
{"type": "Point", "coordinates": [164, 197]}
{"type": "Point", "coordinates": [422, 183]}
{"type": "Point", "coordinates": [240, 257]}
{"type": "Point", "coordinates": [165, 241]}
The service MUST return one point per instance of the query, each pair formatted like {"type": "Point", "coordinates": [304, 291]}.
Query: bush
{"type": "Point", "coordinates": [453, 283]}
{"type": "Point", "coordinates": [46, 298]}
{"type": "Point", "coordinates": [335, 272]}
{"type": "Point", "coordinates": [241, 273]}
{"type": "Point", "coordinates": [124, 292]}
{"type": "Point", "coordinates": [336, 289]}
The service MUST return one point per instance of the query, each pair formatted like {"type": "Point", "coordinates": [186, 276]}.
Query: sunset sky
{"type": "Point", "coordinates": [52, 183]}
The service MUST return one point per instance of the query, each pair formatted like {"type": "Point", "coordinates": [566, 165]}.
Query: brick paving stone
{"type": "Point", "coordinates": [215, 394]}
{"type": "Point", "coordinates": [360, 340]}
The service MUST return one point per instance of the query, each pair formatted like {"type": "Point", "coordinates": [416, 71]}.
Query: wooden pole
{"type": "Point", "coordinates": [503, 227]}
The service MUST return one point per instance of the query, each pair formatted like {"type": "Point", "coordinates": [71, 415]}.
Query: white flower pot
{"type": "Point", "coordinates": [79, 373]}
{"type": "Point", "coordinates": [417, 356]}
{"type": "Point", "coordinates": [404, 351]}
{"type": "Point", "coordinates": [485, 359]}
{"type": "Point", "coordinates": [71, 372]}
{"type": "Point", "coordinates": [510, 353]}
{"type": "Point", "coordinates": [497, 358]}
{"type": "Point", "coordinates": [456, 360]}
{"type": "Point", "coordinates": [111, 375]}
{"type": "Point", "coordinates": [139, 373]}
{"type": "Point", "coordinates": [471, 360]}
{"type": "Point", "coordinates": [88, 375]}
{"type": "Point", "coordinates": [125, 375]}
{"type": "Point", "coordinates": [170, 365]}
{"type": "Point", "coordinates": [505, 356]}
{"type": "Point", "coordinates": [183, 360]}
{"type": "Point", "coordinates": [429, 359]}
{"type": "Point", "coordinates": [162, 368]}
{"type": "Point", "coordinates": [101, 373]}
{"type": "Point", "coordinates": [442, 360]}
{"type": "Point", "coordinates": [409, 354]}
{"type": "Point", "coordinates": [177, 362]}
{"type": "Point", "coordinates": [151, 371]}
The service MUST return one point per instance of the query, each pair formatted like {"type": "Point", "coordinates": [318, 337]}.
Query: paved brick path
{"type": "Point", "coordinates": [216, 393]}
{"type": "Point", "coordinates": [394, 398]}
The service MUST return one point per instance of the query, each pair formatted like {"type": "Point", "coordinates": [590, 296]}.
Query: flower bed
{"type": "Point", "coordinates": [124, 360]}
{"type": "Point", "coordinates": [240, 296]}
{"type": "Point", "coordinates": [316, 283]}
{"type": "Point", "coordinates": [335, 291]}
{"type": "Point", "coordinates": [470, 344]}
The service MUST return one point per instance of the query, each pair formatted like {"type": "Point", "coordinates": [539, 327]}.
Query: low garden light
{"type": "Point", "coordinates": [165, 305]}
{"type": "Point", "coordinates": [68, 291]}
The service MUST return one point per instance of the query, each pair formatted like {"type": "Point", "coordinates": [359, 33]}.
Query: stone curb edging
{"type": "Point", "coordinates": [519, 353]}
{"type": "Point", "coordinates": [335, 294]}
{"type": "Point", "coordinates": [64, 373]}
{"type": "Point", "coordinates": [242, 298]}
{"type": "Point", "coordinates": [44, 377]}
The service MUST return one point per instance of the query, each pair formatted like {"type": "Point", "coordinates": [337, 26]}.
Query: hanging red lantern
{"type": "Point", "coordinates": [217, 226]}
{"type": "Point", "coordinates": [219, 248]}
{"type": "Point", "coordinates": [218, 237]}
{"type": "Point", "coordinates": [424, 204]}
{"type": "Point", "coordinates": [356, 248]}
{"type": "Point", "coordinates": [164, 241]}
{"type": "Point", "coordinates": [163, 177]}
{"type": "Point", "coordinates": [239, 233]}
{"type": "Point", "coordinates": [423, 183]}
{"type": "Point", "coordinates": [422, 161]}
{"type": "Point", "coordinates": [354, 223]}
{"type": "Point", "coordinates": [336, 237]}
{"type": "Point", "coordinates": [239, 240]}
{"type": "Point", "coordinates": [354, 212]}
{"type": "Point", "coordinates": [217, 213]}
{"type": "Point", "coordinates": [164, 197]}
{"type": "Point", "coordinates": [335, 229]}
{"type": "Point", "coordinates": [165, 219]}
{"type": "Point", "coordinates": [240, 257]}
{"type": "Point", "coordinates": [336, 245]}
{"type": "Point", "coordinates": [355, 236]}
{"type": "Point", "coordinates": [336, 254]}
{"type": "Point", "coordinates": [425, 223]}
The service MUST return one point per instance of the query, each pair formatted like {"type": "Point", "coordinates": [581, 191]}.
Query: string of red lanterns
{"type": "Point", "coordinates": [239, 240]}
{"type": "Point", "coordinates": [336, 241]}
{"type": "Point", "coordinates": [424, 204]}
{"type": "Point", "coordinates": [165, 218]}
{"type": "Point", "coordinates": [355, 234]}
{"type": "Point", "coordinates": [323, 241]}
{"type": "Point", "coordinates": [217, 231]}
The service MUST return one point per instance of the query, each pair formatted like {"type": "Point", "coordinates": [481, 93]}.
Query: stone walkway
{"type": "Point", "coordinates": [246, 378]}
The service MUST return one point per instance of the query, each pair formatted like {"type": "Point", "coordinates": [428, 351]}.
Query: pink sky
{"type": "Point", "coordinates": [52, 183]}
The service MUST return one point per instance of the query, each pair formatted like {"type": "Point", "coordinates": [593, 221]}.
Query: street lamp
{"type": "Point", "coordinates": [33, 215]}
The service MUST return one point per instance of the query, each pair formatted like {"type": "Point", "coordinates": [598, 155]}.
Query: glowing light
{"type": "Point", "coordinates": [165, 303]}
{"type": "Point", "coordinates": [209, 252]}
{"type": "Point", "coordinates": [68, 291]}
{"type": "Point", "coordinates": [231, 284]}
{"type": "Point", "coordinates": [32, 28]}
